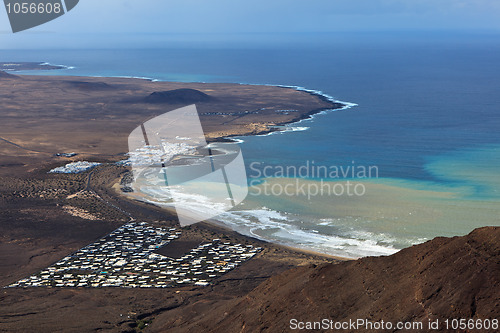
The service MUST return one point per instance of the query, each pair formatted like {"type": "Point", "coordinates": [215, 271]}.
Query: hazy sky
{"type": "Point", "coordinates": [109, 22]}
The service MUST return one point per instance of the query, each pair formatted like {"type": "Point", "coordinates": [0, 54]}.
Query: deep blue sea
{"type": "Point", "coordinates": [427, 115]}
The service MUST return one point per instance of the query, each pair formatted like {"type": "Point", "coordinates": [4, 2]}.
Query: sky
{"type": "Point", "coordinates": [97, 23]}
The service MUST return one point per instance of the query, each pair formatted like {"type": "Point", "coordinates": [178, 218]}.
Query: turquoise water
{"type": "Point", "coordinates": [476, 168]}
{"type": "Point", "coordinates": [428, 118]}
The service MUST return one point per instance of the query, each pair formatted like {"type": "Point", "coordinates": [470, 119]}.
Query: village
{"type": "Point", "coordinates": [125, 258]}
{"type": "Point", "coordinates": [74, 167]}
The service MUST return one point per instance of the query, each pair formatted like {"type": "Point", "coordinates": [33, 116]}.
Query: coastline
{"type": "Point", "coordinates": [267, 129]}
{"type": "Point", "coordinates": [215, 225]}
{"type": "Point", "coordinates": [335, 105]}
{"type": "Point", "coordinates": [273, 91]}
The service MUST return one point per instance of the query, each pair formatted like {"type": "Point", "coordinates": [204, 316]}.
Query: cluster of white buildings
{"type": "Point", "coordinates": [65, 154]}
{"type": "Point", "coordinates": [285, 111]}
{"type": "Point", "coordinates": [239, 113]}
{"type": "Point", "coordinates": [149, 155]}
{"type": "Point", "coordinates": [75, 167]}
{"type": "Point", "coordinates": [126, 258]}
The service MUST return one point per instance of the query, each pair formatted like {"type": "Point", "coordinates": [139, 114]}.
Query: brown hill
{"type": "Point", "coordinates": [443, 278]}
{"type": "Point", "coordinates": [178, 96]}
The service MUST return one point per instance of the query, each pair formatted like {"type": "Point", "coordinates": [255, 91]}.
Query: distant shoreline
{"type": "Point", "coordinates": [335, 105]}
{"type": "Point", "coordinates": [15, 66]}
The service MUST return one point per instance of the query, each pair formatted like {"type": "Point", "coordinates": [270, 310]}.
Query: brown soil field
{"type": "Point", "coordinates": [44, 217]}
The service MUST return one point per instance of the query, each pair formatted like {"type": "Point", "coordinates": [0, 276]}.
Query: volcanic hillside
{"type": "Point", "coordinates": [443, 278]}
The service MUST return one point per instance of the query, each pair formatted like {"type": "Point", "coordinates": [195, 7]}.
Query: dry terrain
{"type": "Point", "coordinates": [44, 217]}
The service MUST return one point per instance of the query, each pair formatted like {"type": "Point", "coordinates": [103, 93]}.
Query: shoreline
{"type": "Point", "coordinates": [216, 225]}
{"type": "Point", "coordinates": [340, 106]}
{"type": "Point", "coordinates": [336, 105]}
{"type": "Point", "coordinates": [333, 105]}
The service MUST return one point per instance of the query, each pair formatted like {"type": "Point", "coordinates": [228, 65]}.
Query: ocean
{"type": "Point", "coordinates": [427, 119]}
